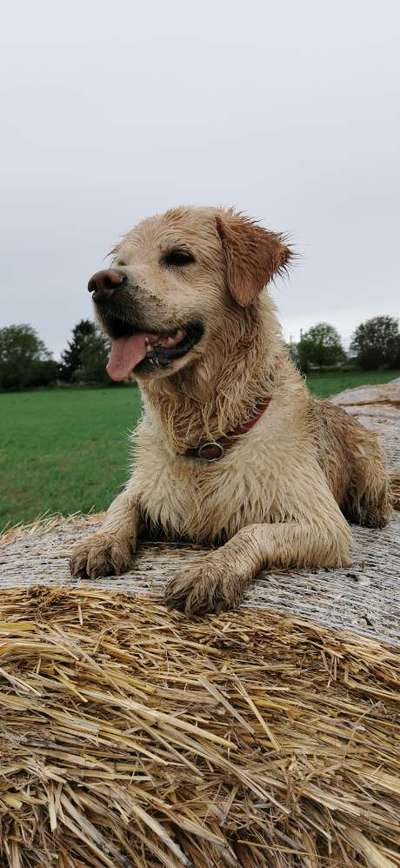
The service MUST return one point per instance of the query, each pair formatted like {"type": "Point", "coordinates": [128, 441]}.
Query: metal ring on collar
{"type": "Point", "coordinates": [214, 445]}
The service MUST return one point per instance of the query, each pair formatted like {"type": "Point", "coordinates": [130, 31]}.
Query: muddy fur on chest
{"type": "Point", "coordinates": [185, 502]}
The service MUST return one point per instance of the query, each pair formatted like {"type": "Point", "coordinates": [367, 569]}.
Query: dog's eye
{"type": "Point", "coordinates": [177, 258]}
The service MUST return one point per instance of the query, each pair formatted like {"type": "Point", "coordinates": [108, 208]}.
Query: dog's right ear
{"type": "Point", "coordinates": [252, 254]}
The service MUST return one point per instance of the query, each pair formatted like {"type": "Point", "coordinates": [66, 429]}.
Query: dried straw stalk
{"type": "Point", "coordinates": [130, 736]}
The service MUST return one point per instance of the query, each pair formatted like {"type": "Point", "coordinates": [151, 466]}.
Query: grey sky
{"type": "Point", "coordinates": [113, 110]}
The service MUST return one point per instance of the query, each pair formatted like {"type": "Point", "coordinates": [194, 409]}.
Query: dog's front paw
{"type": "Point", "coordinates": [102, 554]}
{"type": "Point", "coordinates": [206, 587]}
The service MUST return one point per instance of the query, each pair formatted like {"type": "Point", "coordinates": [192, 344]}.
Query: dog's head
{"type": "Point", "coordinates": [172, 280]}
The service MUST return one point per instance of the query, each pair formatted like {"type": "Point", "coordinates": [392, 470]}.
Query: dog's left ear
{"type": "Point", "coordinates": [253, 255]}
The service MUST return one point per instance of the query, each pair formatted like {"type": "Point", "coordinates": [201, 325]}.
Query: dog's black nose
{"type": "Point", "coordinates": [103, 284]}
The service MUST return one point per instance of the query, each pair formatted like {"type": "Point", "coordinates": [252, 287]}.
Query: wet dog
{"type": "Point", "coordinates": [232, 449]}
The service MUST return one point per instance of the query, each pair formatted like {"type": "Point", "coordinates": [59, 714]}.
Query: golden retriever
{"type": "Point", "coordinates": [232, 448]}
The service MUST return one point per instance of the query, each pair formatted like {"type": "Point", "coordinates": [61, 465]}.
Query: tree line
{"type": "Point", "coordinates": [374, 345]}
{"type": "Point", "coordinates": [25, 362]}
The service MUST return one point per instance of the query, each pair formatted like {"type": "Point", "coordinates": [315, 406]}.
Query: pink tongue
{"type": "Point", "coordinates": [126, 353]}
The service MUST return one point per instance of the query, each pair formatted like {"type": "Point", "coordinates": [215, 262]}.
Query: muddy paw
{"type": "Point", "coordinates": [207, 587]}
{"type": "Point", "coordinates": [102, 554]}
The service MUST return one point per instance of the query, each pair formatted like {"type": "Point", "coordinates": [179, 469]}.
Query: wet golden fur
{"type": "Point", "coordinates": [280, 496]}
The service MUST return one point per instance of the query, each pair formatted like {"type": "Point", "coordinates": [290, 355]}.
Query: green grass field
{"type": "Point", "coordinates": [66, 450]}
{"type": "Point", "coordinates": [333, 382]}
{"type": "Point", "coordinates": [63, 450]}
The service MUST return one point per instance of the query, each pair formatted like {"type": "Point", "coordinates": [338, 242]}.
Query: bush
{"type": "Point", "coordinates": [24, 359]}
{"type": "Point", "coordinates": [320, 347]}
{"type": "Point", "coordinates": [45, 373]}
{"type": "Point", "coordinates": [376, 343]}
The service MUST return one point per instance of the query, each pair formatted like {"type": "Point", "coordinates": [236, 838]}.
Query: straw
{"type": "Point", "coordinates": [130, 736]}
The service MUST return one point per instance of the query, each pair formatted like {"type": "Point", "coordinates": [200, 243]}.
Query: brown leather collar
{"type": "Point", "coordinates": [213, 450]}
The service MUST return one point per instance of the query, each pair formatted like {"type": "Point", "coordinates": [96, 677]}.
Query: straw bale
{"type": "Point", "coordinates": [131, 736]}
{"type": "Point", "coordinates": [378, 408]}
{"type": "Point", "coordinates": [364, 598]}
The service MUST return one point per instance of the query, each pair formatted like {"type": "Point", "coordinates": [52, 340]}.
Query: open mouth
{"type": "Point", "coordinates": [143, 351]}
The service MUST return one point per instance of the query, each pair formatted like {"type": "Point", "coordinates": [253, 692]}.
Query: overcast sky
{"type": "Point", "coordinates": [113, 110]}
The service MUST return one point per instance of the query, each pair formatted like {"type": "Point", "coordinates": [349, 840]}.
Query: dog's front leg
{"type": "Point", "coordinates": [109, 551]}
{"type": "Point", "coordinates": [220, 579]}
